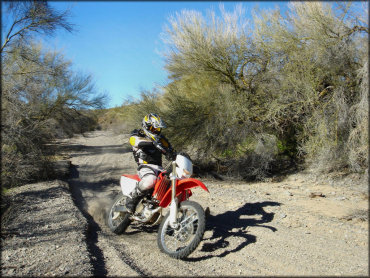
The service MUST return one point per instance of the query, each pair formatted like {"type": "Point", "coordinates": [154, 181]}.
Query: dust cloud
{"type": "Point", "coordinates": [98, 208]}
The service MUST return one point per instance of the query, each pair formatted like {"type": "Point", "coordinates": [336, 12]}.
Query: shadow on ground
{"type": "Point", "coordinates": [224, 226]}
{"type": "Point", "coordinates": [96, 254]}
{"type": "Point", "coordinates": [83, 150]}
{"type": "Point", "coordinates": [233, 224]}
{"type": "Point", "coordinates": [137, 228]}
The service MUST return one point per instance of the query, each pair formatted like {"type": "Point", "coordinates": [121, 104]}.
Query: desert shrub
{"type": "Point", "coordinates": [216, 99]}
{"type": "Point", "coordinates": [299, 76]}
{"type": "Point", "coordinates": [207, 45]}
{"type": "Point", "coordinates": [41, 99]}
{"type": "Point", "coordinates": [253, 160]}
{"type": "Point", "coordinates": [317, 50]}
{"type": "Point", "coordinates": [290, 87]}
{"type": "Point", "coordinates": [358, 140]}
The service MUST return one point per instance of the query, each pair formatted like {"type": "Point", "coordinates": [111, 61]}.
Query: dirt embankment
{"type": "Point", "coordinates": [295, 226]}
{"type": "Point", "coordinates": [43, 233]}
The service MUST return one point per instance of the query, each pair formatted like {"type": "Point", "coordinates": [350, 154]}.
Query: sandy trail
{"type": "Point", "coordinates": [270, 228]}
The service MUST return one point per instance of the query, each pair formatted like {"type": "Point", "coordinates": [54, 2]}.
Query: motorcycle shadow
{"type": "Point", "coordinates": [138, 228]}
{"type": "Point", "coordinates": [231, 224]}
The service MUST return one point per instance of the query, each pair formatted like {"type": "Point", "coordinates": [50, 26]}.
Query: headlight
{"type": "Point", "coordinates": [184, 167]}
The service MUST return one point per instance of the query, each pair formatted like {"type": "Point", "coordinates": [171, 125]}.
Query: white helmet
{"type": "Point", "coordinates": [152, 124]}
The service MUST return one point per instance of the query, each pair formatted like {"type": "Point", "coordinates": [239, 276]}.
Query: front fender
{"type": "Point", "coordinates": [181, 186]}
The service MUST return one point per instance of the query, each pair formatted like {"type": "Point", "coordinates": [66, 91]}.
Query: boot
{"type": "Point", "coordinates": [131, 202]}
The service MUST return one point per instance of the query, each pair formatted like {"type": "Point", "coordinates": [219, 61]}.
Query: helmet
{"type": "Point", "coordinates": [153, 124]}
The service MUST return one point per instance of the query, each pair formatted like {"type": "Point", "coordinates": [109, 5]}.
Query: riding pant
{"type": "Point", "coordinates": [148, 174]}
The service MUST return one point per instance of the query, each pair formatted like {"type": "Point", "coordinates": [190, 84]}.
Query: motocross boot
{"type": "Point", "coordinates": [133, 200]}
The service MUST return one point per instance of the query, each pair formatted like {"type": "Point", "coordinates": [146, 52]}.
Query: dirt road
{"type": "Point", "coordinates": [292, 227]}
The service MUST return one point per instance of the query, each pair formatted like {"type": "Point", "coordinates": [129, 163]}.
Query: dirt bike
{"type": "Point", "coordinates": [182, 228]}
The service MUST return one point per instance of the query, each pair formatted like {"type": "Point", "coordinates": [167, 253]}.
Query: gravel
{"type": "Point", "coordinates": [43, 233]}
{"type": "Point", "coordinates": [264, 228]}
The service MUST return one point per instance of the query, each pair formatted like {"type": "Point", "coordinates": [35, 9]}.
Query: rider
{"type": "Point", "coordinates": [148, 145]}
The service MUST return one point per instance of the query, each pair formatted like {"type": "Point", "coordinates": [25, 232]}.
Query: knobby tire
{"type": "Point", "coordinates": [118, 228]}
{"type": "Point", "coordinates": [186, 251]}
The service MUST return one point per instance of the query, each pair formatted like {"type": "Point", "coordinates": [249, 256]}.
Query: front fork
{"type": "Point", "coordinates": [173, 205]}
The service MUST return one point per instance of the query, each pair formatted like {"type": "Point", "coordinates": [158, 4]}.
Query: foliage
{"type": "Point", "coordinates": [311, 67]}
{"type": "Point", "coordinates": [42, 98]}
{"type": "Point", "coordinates": [216, 46]}
{"type": "Point", "coordinates": [317, 52]}
{"type": "Point", "coordinates": [30, 17]}
{"type": "Point", "coordinates": [246, 96]}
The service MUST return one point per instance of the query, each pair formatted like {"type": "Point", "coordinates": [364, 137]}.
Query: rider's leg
{"type": "Point", "coordinates": [148, 178]}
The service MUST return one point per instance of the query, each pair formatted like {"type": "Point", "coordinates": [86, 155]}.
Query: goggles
{"type": "Point", "coordinates": [155, 130]}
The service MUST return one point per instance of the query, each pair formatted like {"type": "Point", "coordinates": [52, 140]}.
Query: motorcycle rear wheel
{"type": "Point", "coordinates": [181, 242]}
{"type": "Point", "coordinates": [118, 221]}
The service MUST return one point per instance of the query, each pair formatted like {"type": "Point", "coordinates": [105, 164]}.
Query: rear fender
{"type": "Point", "coordinates": [128, 183]}
{"type": "Point", "coordinates": [181, 187]}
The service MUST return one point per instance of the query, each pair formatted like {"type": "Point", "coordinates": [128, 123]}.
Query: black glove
{"type": "Point", "coordinates": [159, 147]}
{"type": "Point", "coordinates": [171, 154]}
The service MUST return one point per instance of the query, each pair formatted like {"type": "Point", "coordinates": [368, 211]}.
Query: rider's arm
{"type": "Point", "coordinates": [140, 142]}
{"type": "Point", "coordinates": [166, 148]}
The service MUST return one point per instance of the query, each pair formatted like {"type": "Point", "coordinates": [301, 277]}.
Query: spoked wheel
{"type": "Point", "coordinates": [182, 241]}
{"type": "Point", "coordinates": [118, 221]}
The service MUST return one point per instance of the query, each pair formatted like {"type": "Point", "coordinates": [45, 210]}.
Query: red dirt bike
{"type": "Point", "coordinates": [182, 229]}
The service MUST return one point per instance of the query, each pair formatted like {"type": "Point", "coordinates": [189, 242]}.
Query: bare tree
{"type": "Point", "coordinates": [30, 17]}
{"type": "Point", "coordinates": [41, 96]}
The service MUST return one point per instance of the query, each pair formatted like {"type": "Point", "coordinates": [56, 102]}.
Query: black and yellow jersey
{"type": "Point", "coordinates": [149, 150]}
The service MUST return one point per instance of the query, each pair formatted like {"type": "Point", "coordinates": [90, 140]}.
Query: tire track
{"type": "Point", "coordinates": [83, 185]}
{"type": "Point", "coordinates": [128, 260]}
{"type": "Point", "coordinates": [91, 234]}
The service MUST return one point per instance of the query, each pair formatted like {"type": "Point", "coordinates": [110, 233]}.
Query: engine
{"type": "Point", "coordinates": [148, 212]}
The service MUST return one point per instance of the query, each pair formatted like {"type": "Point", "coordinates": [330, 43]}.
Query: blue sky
{"type": "Point", "coordinates": [119, 43]}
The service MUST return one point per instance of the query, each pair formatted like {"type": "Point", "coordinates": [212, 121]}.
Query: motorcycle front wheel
{"type": "Point", "coordinates": [118, 221]}
{"type": "Point", "coordinates": [181, 242]}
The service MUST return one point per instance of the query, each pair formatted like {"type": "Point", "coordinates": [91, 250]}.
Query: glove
{"type": "Point", "coordinates": [159, 146]}
{"type": "Point", "coordinates": [171, 154]}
